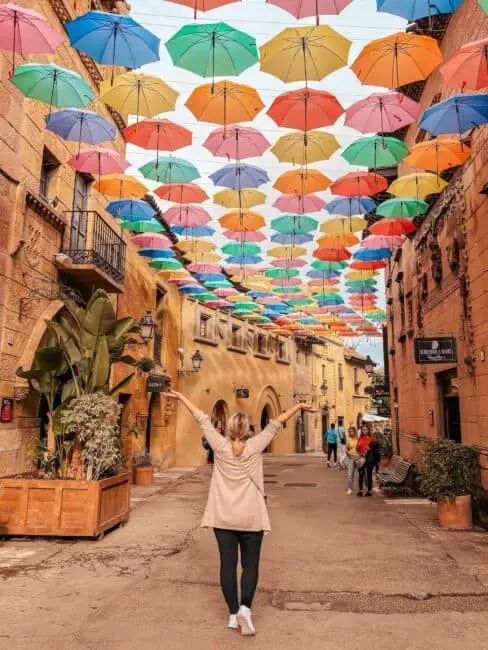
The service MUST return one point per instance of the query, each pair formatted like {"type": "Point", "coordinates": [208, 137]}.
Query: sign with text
{"type": "Point", "coordinates": [242, 393]}
{"type": "Point", "coordinates": [381, 391]}
{"type": "Point", "coordinates": [436, 350]}
{"type": "Point", "coordinates": [157, 383]}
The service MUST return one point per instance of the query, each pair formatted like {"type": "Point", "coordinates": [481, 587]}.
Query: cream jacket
{"type": "Point", "coordinates": [236, 495]}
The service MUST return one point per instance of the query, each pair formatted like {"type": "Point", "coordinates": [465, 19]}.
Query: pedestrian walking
{"type": "Point", "coordinates": [331, 438]}
{"type": "Point", "coordinates": [352, 456]}
{"type": "Point", "coordinates": [236, 506]}
{"type": "Point", "coordinates": [365, 469]}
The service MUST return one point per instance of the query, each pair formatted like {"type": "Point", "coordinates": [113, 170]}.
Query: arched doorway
{"type": "Point", "coordinates": [153, 422]}
{"type": "Point", "coordinates": [265, 418]}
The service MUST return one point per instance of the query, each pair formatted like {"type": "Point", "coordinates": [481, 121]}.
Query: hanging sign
{"type": "Point", "coordinates": [157, 383]}
{"type": "Point", "coordinates": [436, 350]}
{"type": "Point", "coordinates": [7, 410]}
{"type": "Point", "coordinates": [242, 393]}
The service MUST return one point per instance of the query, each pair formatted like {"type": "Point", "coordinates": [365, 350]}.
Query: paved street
{"type": "Point", "coordinates": [337, 572]}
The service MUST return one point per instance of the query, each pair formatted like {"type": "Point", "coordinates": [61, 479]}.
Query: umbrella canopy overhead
{"type": "Point", "coordinates": [138, 94]}
{"type": "Point", "coordinates": [305, 109]}
{"type": "Point", "coordinates": [52, 85]}
{"type": "Point", "coordinates": [413, 10]}
{"type": "Point", "coordinates": [375, 151]}
{"type": "Point", "coordinates": [468, 67]}
{"type": "Point", "coordinates": [244, 198]}
{"type": "Point", "coordinates": [382, 112]}
{"type": "Point", "coordinates": [456, 115]}
{"type": "Point", "coordinates": [237, 142]}
{"type": "Point", "coordinates": [438, 155]}
{"type": "Point", "coordinates": [181, 193]}
{"type": "Point", "coordinates": [224, 102]}
{"type": "Point", "coordinates": [76, 125]}
{"type": "Point", "coordinates": [239, 176]}
{"type": "Point", "coordinates": [308, 8]}
{"type": "Point", "coordinates": [417, 186]}
{"type": "Point", "coordinates": [170, 170]}
{"type": "Point", "coordinates": [302, 181]}
{"type": "Point", "coordinates": [303, 147]}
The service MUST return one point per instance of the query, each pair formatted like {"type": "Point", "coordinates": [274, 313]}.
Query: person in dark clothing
{"type": "Point", "coordinates": [372, 458]}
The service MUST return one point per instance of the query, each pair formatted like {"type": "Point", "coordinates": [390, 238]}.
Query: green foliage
{"type": "Point", "coordinates": [142, 460]}
{"type": "Point", "coordinates": [448, 469]}
{"type": "Point", "coordinates": [383, 406]}
{"type": "Point", "coordinates": [386, 445]}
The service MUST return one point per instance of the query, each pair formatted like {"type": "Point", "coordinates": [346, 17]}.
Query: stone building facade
{"type": "Point", "coordinates": [437, 287]}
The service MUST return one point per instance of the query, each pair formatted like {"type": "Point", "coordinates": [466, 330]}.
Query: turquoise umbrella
{"type": "Point", "coordinates": [53, 85]}
{"type": "Point", "coordinates": [321, 265]}
{"type": "Point", "coordinates": [241, 249]}
{"type": "Point", "coordinates": [213, 50]}
{"type": "Point", "coordinates": [403, 208]}
{"type": "Point", "coordinates": [294, 224]}
{"type": "Point", "coordinates": [142, 226]}
{"type": "Point", "coordinates": [376, 151]}
{"type": "Point", "coordinates": [170, 170]}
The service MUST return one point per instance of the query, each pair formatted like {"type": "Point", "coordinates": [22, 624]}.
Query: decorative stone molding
{"type": "Point", "coordinates": [44, 210]}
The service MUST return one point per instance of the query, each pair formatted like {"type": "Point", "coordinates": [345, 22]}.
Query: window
{"type": "Point", "coordinates": [341, 377]}
{"type": "Point", "coordinates": [425, 286]}
{"type": "Point", "coordinates": [282, 351]}
{"type": "Point", "coordinates": [402, 314]}
{"type": "Point", "coordinates": [204, 329]}
{"type": "Point", "coordinates": [323, 372]}
{"type": "Point", "coordinates": [79, 216]}
{"type": "Point", "coordinates": [262, 344]}
{"type": "Point", "coordinates": [357, 383]}
{"type": "Point", "coordinates": [236, 336]}
{"type": "Point", "coordinates": [49, 166]}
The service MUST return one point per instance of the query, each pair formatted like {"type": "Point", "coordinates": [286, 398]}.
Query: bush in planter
{"type": "Point", "coordinates": [448, 470]}
{"type": "Point", "coordinates": [386, 445]}
{"type": "Point", "coordinates": [142, 460]}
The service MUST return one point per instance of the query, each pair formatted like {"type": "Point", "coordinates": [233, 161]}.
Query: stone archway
{"type": "Point", "coordinates": [268, 407]}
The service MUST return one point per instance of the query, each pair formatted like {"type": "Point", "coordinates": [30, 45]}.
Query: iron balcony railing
{"type": "Point", "coordinates": [93, 241]}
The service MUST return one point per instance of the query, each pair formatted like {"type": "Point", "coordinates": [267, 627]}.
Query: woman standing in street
{"type": "Point", "coordinates": [236, 506]}
{"type": "Point", "coordinates": [352, 456]}
{"type": "Point", "coordinates": [366, 471]}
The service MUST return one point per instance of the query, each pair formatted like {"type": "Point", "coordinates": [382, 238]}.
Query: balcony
{"type": "Point", "coordinates": [94, 254]}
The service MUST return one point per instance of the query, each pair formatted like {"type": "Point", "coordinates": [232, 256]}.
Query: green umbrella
{"type": "Point", "coordinates": [291, 289]}
{"type": "Point", "coordinates": [484, 5]}
{"type": "Point", "coordinates": [205, 297]}
{"type": "Point", "coordinates": [402, 208]}
{"type": "Point", "coordinates": [376, 151]}
{"type": "Point", "coordinates": [361, 283]}
{"type": "Point", "coordinates": [142, 226]}
{"type": "Point", "coordinates": [212, 50]}
{"type": "Point", "coordinates": [245, 306]}
{"type": "Point", "coordinates": [53, 85]}
{"type": "Point", "coordinates": [167, 265]}
{"type": "Point", "coordinates": [241, 250]}
{"type": "Point", "coordinates": [218, 284]}
{"type": "Point", "coordinates": [294, 224]}
{"type": "Point", "coordinates": [321, 265]}
{"type": "Point", "coordinates": [296, 302]}
{"type": "Point", "coordinates": [281, 273]}
{"type": "Point", "coordinates": [170, 170]}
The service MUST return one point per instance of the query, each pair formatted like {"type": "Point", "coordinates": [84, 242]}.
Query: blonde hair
{"type": "Point", "coordinates": [238, 432]}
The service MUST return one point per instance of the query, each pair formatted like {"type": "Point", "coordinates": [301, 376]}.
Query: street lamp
{"type": "Point", "coordinates": [369, 365]}
{"type": "Point", "coordinates": [147, 327]}
{"type": "Point", "coordinates": [196, 362]}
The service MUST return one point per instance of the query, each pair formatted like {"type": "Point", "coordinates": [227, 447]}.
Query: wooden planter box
{"type": "Point", "coordinates": [63, 508]}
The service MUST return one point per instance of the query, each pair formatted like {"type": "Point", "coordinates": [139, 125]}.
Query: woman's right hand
{"type": "Point", "coordinates": [172, 394]}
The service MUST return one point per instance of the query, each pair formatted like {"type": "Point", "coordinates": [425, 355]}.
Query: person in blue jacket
{"type": "Point", "coordinates": [331, 436]}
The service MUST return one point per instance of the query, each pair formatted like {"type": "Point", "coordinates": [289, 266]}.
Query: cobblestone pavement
{"type": "Point", "coordinates": [337, 572]}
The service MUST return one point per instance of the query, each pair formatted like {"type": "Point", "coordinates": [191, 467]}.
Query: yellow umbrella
{"type": "Point", "coordinates": [203, 257]}
{"type": "Point", "coordinates": [288, 252]}
{"type": "Point", "coordinates": [343, 225]}
{"type": "Point", "coordinates": [224, 102]}
{"type": "Point", "coordinates": [138, 94]}
{"type": "Point", "coordinates": [238, 298]}
{"type": "Point", "coordinates": [120, 186]}
{"type": "Point", "coordinates": [247, 198]}
{"type": "Point", "coordinates": [302, 181]}
{"type": "Point", "coordinates": [360, 275]}
{"type": "Point", "coordinates": [337, 241]}
{"type": "Point", "coordinates": [300, 147]}
{"type": "Point", "coordinates": [242, 220]}
{"type": "Point", "coordinates": [324, 289]}
{"type": "Point", "coordinates": [305, 53]}
{"type": "Point", "coordinates": [417, 186]}
{"type": "Point", "coordinates": [438, 155]}
{"type": "Point", "coordinates": [196, 246]}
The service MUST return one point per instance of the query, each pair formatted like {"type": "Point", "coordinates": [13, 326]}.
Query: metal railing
{"type": "Point", "coordinates": [92, 241]}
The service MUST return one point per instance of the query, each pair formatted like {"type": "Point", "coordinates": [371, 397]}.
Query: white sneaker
{"type": "Point", "coordinates": [245, 621]}
{"type": "Point", "coordinates": [328, 463]}
{"type": "Point", "coordinates": [233, 624]}
{"type": "Point", "coordinates": [349, 491]}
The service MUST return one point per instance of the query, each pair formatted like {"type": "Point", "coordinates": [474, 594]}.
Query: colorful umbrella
{"type": "Point", "coordinates": [375, 151]}
{"type": "Point", "coordinates": [397, 60]}
{"type": "Point", "coordinates": [203, 5]}
{"type": "Point", "coordinates": [193, 231]}
{"type": "Point", "coordinates": [413, 10]}
{"type": "Point", "coordinates": [373, 265]}
{"type": "Point", "coordinates": [484, 5]}
{"type": "Point", "coordinates": [417, 186]}
{"type": "Point", "coordinates": [138, 94]}
{"type": "Point", "coordinates": [279, 273]}
{"type": "Point", "coordinates": [299, 203]}
{"type": "Point", "coordinates": [99, 162]}
{"type": "Point", "coordinates": [166, 265]}
{"type": "Point", "coordinates": [181, 193]}
{"type": "Point", "coordinates": [244, 237]}
{"type": "Point", "coordinates": [291, 238]}
{"type": "Point", "coordinates": [438, 155]}
{"type": "Point", "coordinates": [113, 39]}
{"type": "Point", "coordinates": [23, 31]}
{"type": "Point", "coordinates": [392, 227]}
{"type": "Point", "coordinates": [456, 115]}
{"type": "Point", "coordinates": [242, 220]}
{"type": "Point", "coordinates": [237, 142]}
{"type": "Point", "coordinates": [187, 216]}
{"type": "Point", "coordinates": [332, 254]}
{"type": "Point", "coordinates": [170, 170]}
{"type": "Point", "coordinates": [302, 181]}
{"type": "Point", "coordinates": [380, 241]}
{"type": "Point", "coordinates": [148, 240]}
{"type": "Point", "coordinates": [131, 210]}
{"type": "Point", "coordinates": [351, 206]}
{"type": "Point", "coordinates": [197, 267]}
{"type": "Point", "coordinates": [468, 67]}
{"type": "Point", "coordinates": [239, 176]}
{"type": "Point", "coordinates": [241, 249]}
{"type": "Point", "coordinates": [294, 224]}
{"type": "Point", "coordinates": [405, 208]}
{"type": "Point", "coordinates": [156, 253]}
{"type": "Point", "coordinates": [246, 198]}
{"type": "Point", "coordinates": [196, 246]}
{"type": "Point", "coordinates": [308, 8]}
{"type": "Point", "coordinates": [304, 53]}
{"type": "Point", "coordinates": [321, 265]}
{"type": "Point", "coordinates": [360, 275]}
{"type": "Point", "coordinates": [224, 103]}
{"type": "Point", "coordinates": [52, 85]}
{"type": "Point", "coordinates": [142, 226]}
{"type": "Point", "coordinates": [367, 254]}
{"type": "Point", "coordinates": [305, 109]}
{"type": "Point", "coordinates": [158, 135]}
{"type": "Point", "coordinates": [338, 241]}
{"type": "Point", "coordinates": [289, 252]}
{"type": "Point", "coordinates": [382, 113]}
{"type": "Point", "coordinates": [288, 264]}
{"type": "Point", "coordinates": [212, 50]}
{"type": "Point", "coordinates": [303, 147]}
{"type": "Point", "coordinates": [358, 184]}
{"type": "Point", "coordinates": [120, 186]}
{"type": "Point", "coordinates": [79, 126]}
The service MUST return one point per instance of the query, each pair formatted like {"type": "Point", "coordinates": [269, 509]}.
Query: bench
{"type": "Point", "coordinates": [396, 475]}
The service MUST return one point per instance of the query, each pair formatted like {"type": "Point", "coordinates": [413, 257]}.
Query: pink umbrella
{"type": "Point", "coordinates": [382, 113]}
{"type": "Point", "coordinates": [268, 300]}
{"type": "Point", "coordinates": [308, 8]}
{"type": "Point", "coordinates": [225, 292]}
{"type": "Point", "coordinates": [362, 300]}
{"type": "Point", "coordinates": [237, 142]}
{"type": "Point", "coordinates": [186, 215]}
{"type": "Point", "coordinates": [330, 309]}
{"type": "Point", "coordinates": [244, 237]}
{"type": "Point", "coordinates": [217, 304]}
{"type": "Point", "coordinates": [23, 31]}
{"type": "Point", "coordinates": [324, 283]}
{"type": "Point", "coordinates": [382, 241]}
{"type": "Point", "coordinates": [468, 67]}
{"type": "Point", "coordinates": [151, 240]}
{"type": "Point", "coordinates": [299, 203]}
{"type": "Point", "coordinates": [284, 282]}
{"type": "Point", "coordinates": [289, 264]}
{"type": "Point", "coordinates": [248, 271]}
{"type": "Point", "coordinates": [183, 280]}
{"type": "Point", "coordinates": [99, 161]}
{"type": "Point", "coordinates": [203, 267]}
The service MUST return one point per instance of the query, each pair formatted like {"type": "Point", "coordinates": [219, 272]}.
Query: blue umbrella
{"type": "Point", "coordinates": [331, 299]}
{"type": "Point", "coordinates": [131, 210]}
{"type": "Point", "coordinates": [457, 114]}
{"type": "Point", "coordinates": [240, 176]}
{"type": "Point", "coordinates": [361, 290]}
{"type": "Point", "coordinates": [349, 207]}
{"type": "Point", "coordinates": [113, 39]}
{"type": "Point", "coordinates": [278, 307]}
{"type": "Point", "coordinates": [259, 294]}
{"type": "Point", "coordinates": [242, 260]}
{"type": "Point", "coordinates": [210, 277]}
{"type": "Point", "coordinates": [157, 253]}
{"type": "Point", "coordinates": [192, 288]}
{"type": "Point", "coordinates": [79, 126]}
{"type": "Point", "coordinates": [283, 238]}
{"type": "Point", "coordinates": [323, 275]}
{"type": "Point", "coordinates": [368, 254]}
{"type": "Point", "coordinates": [414, 9]}
{"type": "Point", "coordinates": [193, 231]}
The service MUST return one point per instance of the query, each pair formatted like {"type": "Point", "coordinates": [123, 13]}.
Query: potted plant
{"type": "Point", "coordinates": [448, 475]}
{"type": "Point", "coordinates": [143, 469]}
{"type": "Point", "coordinates": [386, 448]}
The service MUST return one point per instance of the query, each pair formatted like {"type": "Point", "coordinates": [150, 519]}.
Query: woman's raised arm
{"type": "Point", "coordinates": [184, 400]}
{"type": "Point", "coordinates": [284, 417]}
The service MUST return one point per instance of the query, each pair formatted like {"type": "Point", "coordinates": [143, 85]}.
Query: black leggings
{"type": "Point", "coordinates": [332, 448]}
{"type": "Point", "coordinates": [366, 472]}
{"type": "Point", "coordinates": [229, 542]}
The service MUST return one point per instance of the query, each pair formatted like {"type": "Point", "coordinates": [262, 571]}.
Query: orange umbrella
{"type": "Point", "coordinates": [120, 186]}
{"type": "Point", "coordinates": [438, 155]}
{"type": "Point", "coordinates": [371, 265]}
{"type": "Point", "coordinates": [397, 60]}
{"type": "Point", "coordinates": [181, 193]}
{"type": "Point", "coordinates": [332, 254]}
{"type": "Point", "coordinates": [241, 220]}
{"type": "Point", "coordinates": [224, 102]}
{"type": "Point", "coordinates": [302, 181]}
{"type": "Point", "coordinates": [337, 241]}
{"type": "Point", "coordinates": [305, 109]}
{"type": "Point", "coordinates": [359, 184]}
{"type": "Point", "coordinates": [468, 67]}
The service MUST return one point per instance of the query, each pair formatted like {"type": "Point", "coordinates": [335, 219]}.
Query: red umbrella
{"type": "Point", "coordinates": [203, 5]}
{"type": "Point", "coordinates": [203, 267]}
{"type": "Point", "coordinates": [158, 135]}
{"type": "Point", "coordinates": [468, 67]}
{"type": "Point", "coordinates": [332, 254]}
{"type": "Point", "coordinates": [372, 265]}
{"type": "Point", "coordinates": [359, 184]}
{"type": "Point", "coordinates": [181, 193]}
{"type": "Point", "coordinates": [305, 109]}
{"type": "Point", "coordinates": [151, 240]}
{"type": "Point", "coordinates": [392, 227]}
{"type": "Point", "coordinates": [99, 161]}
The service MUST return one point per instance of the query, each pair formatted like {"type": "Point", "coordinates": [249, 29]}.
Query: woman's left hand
{"type": "Point", "coordinates": [172, 394]}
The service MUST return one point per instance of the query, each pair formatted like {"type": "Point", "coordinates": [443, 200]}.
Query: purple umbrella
{"type": "Point", "coordinates": [237, 177]}
{"type": "Point", "coordinates": [80, 126]}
